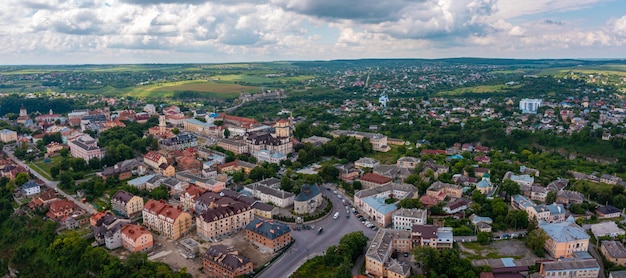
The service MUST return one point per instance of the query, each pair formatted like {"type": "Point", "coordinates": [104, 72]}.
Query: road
{"type": "Point", "coordinates": [308, 244]}
{"type": "Point", "coordinates": [52, 184]}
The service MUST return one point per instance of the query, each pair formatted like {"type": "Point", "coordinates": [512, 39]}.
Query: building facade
{"type": "Point", "coordinates": [169, 221]}
{"type": "Point", "coordinates": [268, 234]}
{"type": "Point", "coordinates": [136, 238]}
{"type": "Point", "coordinates": [86, 148]}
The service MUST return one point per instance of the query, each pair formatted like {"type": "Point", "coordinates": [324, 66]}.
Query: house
{"type": "Point", "coordinates": [44, 199]}
{"type": "Point", "coordinates": [108, 231]}
{"type": "Point", "coordinates": [608, 211]}
{"type": "Point", "coordinates": [548, 213]}
{"type": "Point", "coordinates": [167, 170]}
{"type": "Point", "coordinates": [484, 186]}
{"type": "Point", "coordinates": [456, 206]}
{"type": "Point", "coordinates": [564, 238]}
{"type": "Point", "coordinates": [136, 238]}
{"type": "Point", "coordinates": [268, 234]}
{"type": "Point", "coordinates": [154, 159]}
{"type": "Point", "coordinates": [224, 262]}
{"type": "Point", "coordinates": [378, 257]}
{"type": "Point", "coordinates": [126, 204]}
{"type": "Point", "coordinates": [614, 252]}
{"type": "Point", "coordinates": [166, 219]}
{"type": "Point", "coordinates": [308, 200]}
{"type": "Point", "coordinates": [482, 224]}
{"type": "Point", "coordinates": [407, 162]}
{"type": "Point", "coordinates": [60, 209]}
{"type": "Point", "coordinates": [567, 197]}
{"type": "Point", "coordinates": [607, 228]}
{"type": "Point", "coordinates": [429, 201]}
{"type": "Point", "coordinates": [347, 172]}
{"type": "Point", "coordinates": [437, 169]}
{"type": "Point", "coordinates": [53, 147]}
{"type": "Point", "coordinates": [404, 219]}
{"type": "Point", "coordinates": [370, 180]}
{"type": "Point", "coordinates": [188, 198]}
{"type": "Point", "coordinates": [123, 170]}
{"type": "Point", "coordinates": [366, 162]}
{"type": "Point", "coordinates": [534, 192]}
{"type": "Point", "coordinates": [570, 268]}
{"type": "Point", "coordinates": [432, 236]}
{"type": "Point", "coordinates": [521, 202]}
{"type": "Point", "coordinates": [528, 171]}
{"type": "Point", "coordinates": [30, 187]}
{"type": "Point", "coordinates": [393, 171]}
{"type": "Point", "coordinates": [206, 183]}
{"type": "Point", "coordinates": [520, 179]}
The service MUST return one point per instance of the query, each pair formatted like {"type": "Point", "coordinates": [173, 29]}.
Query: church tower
{"type": "Point", "coordinates": [162, 124]}
{"type": "Point", "coordinates": [283, 128]}
{"type": "Point", "coordinates": [23, 112]}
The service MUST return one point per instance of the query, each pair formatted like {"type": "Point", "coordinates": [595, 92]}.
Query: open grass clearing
{"type": "Point", "coordinates": [212, 89]}
{"type": "Point", "coordinates": [480, 89]}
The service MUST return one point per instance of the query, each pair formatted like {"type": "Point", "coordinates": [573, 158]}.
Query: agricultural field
{"type": "Point", "coordinates": [481, 89]}
{"type": "Point", "coordinates": [259, 79]}
{"type": "Point", "coordinates": [212, 89]}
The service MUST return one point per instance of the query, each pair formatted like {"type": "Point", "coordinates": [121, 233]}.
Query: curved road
{"type": "Point", "coordinates": [52, 184]}
{"type": "Point", "coordinates": [308, 244]}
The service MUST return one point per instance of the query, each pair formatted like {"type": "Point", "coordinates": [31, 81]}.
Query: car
{"type": "Point", "coordinates": [355, 212]}
{"type": "Point", "coordinates": [406, 255]}
{"type": "Point", "coordinates": [338, 196]}
{"type": "Point", "coordinates": [320, 231]}
{"type": "Point", "coordinates": [327, 188]}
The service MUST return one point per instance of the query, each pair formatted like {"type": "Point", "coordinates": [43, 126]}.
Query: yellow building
{"type": "Point", "coordinates": [565, 238]}
{"type": "Point", "coordinates": [166, 219]}
{"type": "Point", "coordinates": [614, 252]}
{"type": "Point", "coordinates": [8, 136]}
{"type": "Point", "coordinates": [126, 204]}
{"type": "Point", "coordinates": [378, 261]}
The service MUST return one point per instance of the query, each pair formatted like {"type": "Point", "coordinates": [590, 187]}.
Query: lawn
{"type": "Point", "coordinates": [475, 251]}
{"type": "Point", "coordinates": [480, 89]}
{"type": "Point", "coordinates": [43, 168]}
{"type": "Point", "coordinates": [212, 89]}
{"type": "Point", "coordinates": [389, 157]}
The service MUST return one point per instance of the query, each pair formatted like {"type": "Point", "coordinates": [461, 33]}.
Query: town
{"type": "Point", "coordinates": [372, 169]}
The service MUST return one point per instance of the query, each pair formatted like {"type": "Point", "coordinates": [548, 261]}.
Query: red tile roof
{"type": "Point", "coordinates": [375, 178]}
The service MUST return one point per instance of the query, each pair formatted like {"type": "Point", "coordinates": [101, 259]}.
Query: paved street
{"type": "Point", "coordinates": [308, 244]}
{"type": "Point", "coordinates": [52, 184]}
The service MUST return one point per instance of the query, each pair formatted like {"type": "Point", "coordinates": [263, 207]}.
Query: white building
{"type": "Point", "coordinates": [530, 105]}
{"type": "Point", "coordinates": [266, 194]}
{"type": "Point", "coordinates": [404, 219]}
{"type": "Point", "coordinates": [85, 147]}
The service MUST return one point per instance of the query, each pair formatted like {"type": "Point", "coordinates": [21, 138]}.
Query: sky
{"type": "Point", "coordinates": [217, 31]}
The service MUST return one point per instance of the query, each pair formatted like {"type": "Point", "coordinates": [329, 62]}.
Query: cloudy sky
{"type": "Point", "coordinates": [173, 31]}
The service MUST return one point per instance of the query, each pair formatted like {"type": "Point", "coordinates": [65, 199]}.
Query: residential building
{"type": "Point", "coordinates": [378, 258]}
{"type": "Point", "coordinates": [393, 171]}
{"type": "Point", "coordinates": [570, 268]}
{"type": "Point", "coordinates": [404, 219]}
{"type": "Point", "coordinates": [366, 162]}
{"type": "Point", "coordinates": [166, 219]}
{"type": "Point", "coordinates": [370, 180]}
{"type": "Point", "coordinates": [123, 170]}
{"type": "Point", "coordinates": [316, 140]}
{"type": "Point", "coordinates": [432, 236]}
{"type": "Point", "coordinates": [60, 209]}
{"type": "Point", "coordinates": [236, 165]}
{"type": "Point", "coordinates": [526, 180]}
{"type": "Point", "coordinates": [548, 213]}
{"type": "Point", "coordinates": [107, 231]}
{"type": "Point", "coordinates": [456, 206]}
{"type": "Point", "coordinates": [154, 159]}
{"type": "Point", "coordinates": [136, 238]}
{"type": "Point", "coordinates": [372, 201]}
{"type": "Point", "coordinates": [378, 141]}
{"type": "Point", "coordinates": [613, 251]}
{"type": "Point", "coordinates": [85, 147]}
{"type": "Point", "coordinates": [608, 211]}
{"type": "Point", "coordinates": [482, 224]}
{"type": "Point", "coordinates": [521, 202]}
{"type": "Point", "coordinates": [126, 204]}
{"type": "Point", "coordinates": [408, 162]}
{"type": "Point", "coordinates": [30, 187]}
{"type": "Point", "coordinates": [567, 197]}
{"type": "Point", "coordinates": [437, 169]}
{"type": "Point", "coordinates": [206, 183]}
{"type": "Point", "coordinates": [269, 156]}
{"type": "Point", "coordinates": [534, 192]}
{"type": "Point", "coordinates": [530, 105]}
{"type": "Point", "coordinates": [564, 238]}
{"type": "Point", "coordinates": [220, 215]}
{"type": "Point", "coordinates": [441, 190]}
{"type": "Point", "coordinates": [179, 142]}
{"type": "Point", "coordinates": [224, 262]}
{"type": "Point", "coordinates": [308, 200]}
{"type": "Point", "coordinates": [277, 197]}
{"type": "Point", "coordinates": [7, 135]}
{"type": "Point", "coordinates": [233, 145]}
{"type": "Point", "coordinates": [268, 234]}
{"type": "Point", "coordinates": [188, 198]}
{"type": "Point", "coordinates": [607, 228]}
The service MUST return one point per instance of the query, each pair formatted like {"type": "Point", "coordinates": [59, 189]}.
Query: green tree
{"type": "Point", "coordinates": [21, 178]}
{"type": "Point", "coordinates": [536, 241]}
{"type": "Point", "coordinates": [286, 183]}
{"type": "Point", "coordinates": [160, 193]}
{"type": "Point", "coordinates": [483, 238]}
{"type": "Point", "coordinates": [352, 245]}
{"type": "Point", "coordinates": [510, 187]}
{"type": "Point", "coordinates": [329, 173]}
{"type": "Point", "coordinates": [410, 203]}
{"type": "Point", "coordinates": [64, 152]}
{"type": "Point", "coordinates": [176, 131]}
{"type": "Point", "coordinates": [551, 197]}
{"type": "Point", "coordinates": [226, 133]}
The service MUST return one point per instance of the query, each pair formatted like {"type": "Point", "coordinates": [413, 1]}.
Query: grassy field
{"type": "Point", "coordinates": [258, 79]}
{"type": "Point", "coordinates": [480, 89]}
{"type": "Point", "coordinates": [43, 168]}
{"type": "Point", "coordinates": [212, 89]}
